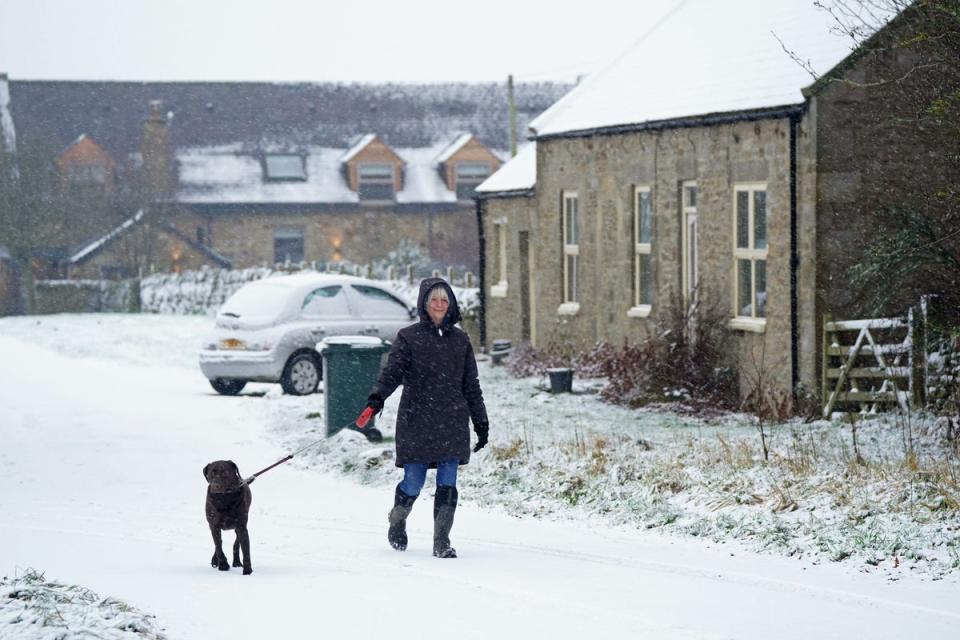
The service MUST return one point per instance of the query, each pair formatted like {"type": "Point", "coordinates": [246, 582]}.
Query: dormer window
{"type": "Point", "coordinates": [375, 181]}
{"type": "Point", "coordinates": [284, 167]}
{"type": "Point", "coordinates": [469, 177]}
{"type": "Point", "coordinates": [85, 175]}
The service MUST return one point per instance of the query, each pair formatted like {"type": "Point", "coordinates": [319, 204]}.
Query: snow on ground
{"type": "Point", "coordinates": [107, 423]}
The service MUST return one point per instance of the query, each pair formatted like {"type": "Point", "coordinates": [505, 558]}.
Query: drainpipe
{"type": "Point", "coordinates": [482, 241]}
{"type": "Point", "coordinates": [794, 260]}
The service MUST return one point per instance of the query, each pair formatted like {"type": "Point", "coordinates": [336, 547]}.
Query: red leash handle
{"type": "Point", "coordinates": [364, 417]}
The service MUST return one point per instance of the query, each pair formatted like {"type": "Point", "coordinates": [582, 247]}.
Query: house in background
{"type": "Point", "coordinates": [255, 173]}
{"type": "Point", "coordinates": [706, 166]}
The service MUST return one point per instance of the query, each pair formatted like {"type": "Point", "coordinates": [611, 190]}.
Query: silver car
{"type": "Point", "coordinates": [268, 330]}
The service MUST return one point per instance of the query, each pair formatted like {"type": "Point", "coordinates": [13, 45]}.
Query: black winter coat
{"type": "Point", "coordinates": [441, 389]}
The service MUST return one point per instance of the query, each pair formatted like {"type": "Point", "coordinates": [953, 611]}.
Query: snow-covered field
{"type": "Point", "coordinates": [579, 519]}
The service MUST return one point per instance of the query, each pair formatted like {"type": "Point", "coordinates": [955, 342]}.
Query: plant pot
{"type": "Point", "coordinates": [501, 349]}
{"type": "Point", "coordinates": [561, 380]}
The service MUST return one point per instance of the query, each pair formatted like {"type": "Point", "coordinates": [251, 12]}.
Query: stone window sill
{"type": "Point", "coordinates": [499, 290]}
{"type": "Point", "coordinates": [639, 311]}
{"type": "Point", "coordinates": [753, 325]}
{"type": "Point", "coordinates": [568, 309]}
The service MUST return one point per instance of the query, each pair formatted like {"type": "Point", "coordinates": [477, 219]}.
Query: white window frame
{"type": "Point", "coordinates": [570, 305]}
{"type": "Point", "coordinates": [690, 269]}
{"type": "Point", "coordinates": [499, 290]}
{"type": "Point", "coordinates": [385, 167]}
{"type": "Point", "coordinates": [465, 176]}
{"type": "Point", "coordinates": [640, 249]}
{"type": "Point", "coordinates": [384, 179]}
{"type": "Point", "coordinates": [751, 253]}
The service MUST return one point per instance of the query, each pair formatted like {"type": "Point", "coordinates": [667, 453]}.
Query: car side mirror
{"type": "Point", "coordinates": [412, 313]}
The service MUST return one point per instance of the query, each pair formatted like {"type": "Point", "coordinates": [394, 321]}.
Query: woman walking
{"type": "Point", "coordinates": [434, 362]}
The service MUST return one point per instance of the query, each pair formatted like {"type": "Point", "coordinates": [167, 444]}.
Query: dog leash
{"type": "Point", "coordinates": [360, 423]}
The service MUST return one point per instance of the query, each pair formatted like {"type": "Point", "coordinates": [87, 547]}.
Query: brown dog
{"type": "Point", "coordinates": [228, 503]}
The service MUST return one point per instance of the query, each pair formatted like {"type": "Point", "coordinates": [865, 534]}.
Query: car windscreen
{"type": "Point", "coordinates": [262, 300]}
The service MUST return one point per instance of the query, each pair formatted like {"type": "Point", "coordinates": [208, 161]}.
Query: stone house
{"type": "Point", "coordinates": [719, 174]}
{"type": "Point", "coordinates": [252, 173]}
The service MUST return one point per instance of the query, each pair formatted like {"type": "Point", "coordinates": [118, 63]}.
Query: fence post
{"type": "Point", "coordinates": [410, 273]}
{"type": "Point", "coordinates": [368, 271]}
{"type": "Point", "coordinates": [450, 274]}
{"type": "Point", "coordinates": [391, 273]}
{"type": "Point", "coordinates": [916, 330]}
{"type": "Point", "coordinates": [436, 273]}
{"type": "Point", "coordinates": [824, 365]}
{"type": "Point", "coordinates": [468, 280]}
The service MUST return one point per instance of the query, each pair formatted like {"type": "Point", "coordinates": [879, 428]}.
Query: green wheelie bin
{"type": "Point", "coordinates": [351, 365]}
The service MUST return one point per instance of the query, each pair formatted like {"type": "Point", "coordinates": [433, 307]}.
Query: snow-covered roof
{"type": "Point", "coordinates": [357, 145]}
{"type": "Point", "coordinates": [454, 146]}
{"type": "Point", "coordinates": [99, 242]}
{"type": "Point", "coordinates": [228, 174]}
{"type": "Point", "coordinates": [8, 135]}
{"type": "Point", "coordinates": [705, 57]}
{"type": "Point", "coordinates": [518, 174]}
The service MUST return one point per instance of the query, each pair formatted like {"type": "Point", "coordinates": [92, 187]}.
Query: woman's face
{"type": "Point", "coordinates": [437, 308]}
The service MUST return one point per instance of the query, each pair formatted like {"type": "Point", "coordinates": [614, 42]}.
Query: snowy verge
{"type": "Point", "coordinates": [573, 456]}
{"type": "Point", "coordinates": [32, 607]}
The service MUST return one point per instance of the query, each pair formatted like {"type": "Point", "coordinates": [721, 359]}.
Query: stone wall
{"type": "Point", "coordinates": [505, 220]}
{"type": "Point", "coordinates": [148, 245]}
{"type": "Point", "coordinates": [603, 170]}
{"type": "Point", "coordinates": [878, 149]}
{"type": "Point", "coordinates": [246, 239]}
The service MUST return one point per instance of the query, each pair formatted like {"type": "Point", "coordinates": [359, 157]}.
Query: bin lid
{"type": "Point", "coordinates": [354, 342]}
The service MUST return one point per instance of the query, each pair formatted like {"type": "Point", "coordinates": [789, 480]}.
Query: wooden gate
{"type": "Point", "coordinates": [869, 366]}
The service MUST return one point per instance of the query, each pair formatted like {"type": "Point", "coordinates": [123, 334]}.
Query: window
{"type": "Point", "coordinates": [469, 177]}
{"type": "Point", "coordinates": [571, 252]}
{"type": "Point", "coordinates": [690, 241]}
{"type": "Point", "coordinates": [288, 244]}
{"type": "Point", "coordinates": [750, 256]}
{"type": "Point", "coordinates": [284, 167]}
{"type": "Point", "coordinates": [326, 302]}
{"type": "Point", "coordinates": [642, 252]}
{"type": "Point", "coordinates": [499, 290]}
{"type": "Point", "coordinates": [375, 181]}
{"type": "Point", "coordinates": [87, 174]}
{"type": "Point", "coordinates": [374, 302]}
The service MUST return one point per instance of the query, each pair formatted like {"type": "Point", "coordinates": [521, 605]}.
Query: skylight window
{"type": "Point", "coordinates": [284, 166]}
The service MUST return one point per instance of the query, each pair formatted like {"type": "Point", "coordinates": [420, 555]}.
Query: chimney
{"type": "Point", "coordinates": [158, 165]}
{"type": "Point", "coordinates": [8, 136]}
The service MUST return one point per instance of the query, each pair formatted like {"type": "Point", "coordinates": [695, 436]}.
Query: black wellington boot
{"type": "Point", "coordinates": [397, 534]}
{"type": "Point", "coordinates": [444, 507]}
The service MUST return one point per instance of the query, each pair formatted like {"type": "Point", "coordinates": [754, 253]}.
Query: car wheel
{"type": "Point", "coordinates": [301, 375]}
{"type": "Point", "coordinates": [228, 386]}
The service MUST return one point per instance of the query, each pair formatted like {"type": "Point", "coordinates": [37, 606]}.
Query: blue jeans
{"type": "Point", "coordinates": [415, 474]}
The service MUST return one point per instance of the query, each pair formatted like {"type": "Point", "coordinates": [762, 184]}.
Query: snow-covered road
{"type": "Point", "coordinates": [100, 485]}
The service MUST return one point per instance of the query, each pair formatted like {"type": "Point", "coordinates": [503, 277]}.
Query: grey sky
{"type": "Point", "coordinates": [291, 40]}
